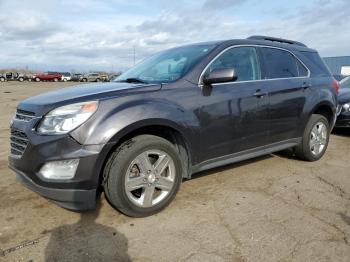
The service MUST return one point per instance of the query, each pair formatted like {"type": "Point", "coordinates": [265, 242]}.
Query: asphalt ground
{"type": "Point", "coordinates": [272, 208]}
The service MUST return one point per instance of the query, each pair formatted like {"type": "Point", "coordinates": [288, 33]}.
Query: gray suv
{"type": "Point", "coordinates": [180, 112]}
{"type": "Point", "coordinates": [91, 77]}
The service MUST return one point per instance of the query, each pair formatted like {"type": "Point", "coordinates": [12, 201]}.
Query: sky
{"type": "Point", "coordinates": [88, 35]}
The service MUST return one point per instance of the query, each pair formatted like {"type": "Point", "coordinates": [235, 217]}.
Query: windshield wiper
{"type": "Point", "coordinates": [133, 80]}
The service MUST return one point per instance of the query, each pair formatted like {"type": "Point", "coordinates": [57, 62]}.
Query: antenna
{"type": "Point", "coordinates": [134, 54]}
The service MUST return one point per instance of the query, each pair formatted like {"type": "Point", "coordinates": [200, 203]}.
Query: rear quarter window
{"type": "Point", "coordinates": [315, 63]}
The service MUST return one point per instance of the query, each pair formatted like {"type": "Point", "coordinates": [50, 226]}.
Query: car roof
{"type": "Point", "coordinates": [261, 41]}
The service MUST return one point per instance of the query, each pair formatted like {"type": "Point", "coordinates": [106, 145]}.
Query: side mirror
{"type": "Point", "coordinates": [220, 76]}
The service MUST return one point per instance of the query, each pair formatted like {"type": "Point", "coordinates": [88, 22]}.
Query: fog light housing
{"type": "Point", "coordinates": [64, 169]}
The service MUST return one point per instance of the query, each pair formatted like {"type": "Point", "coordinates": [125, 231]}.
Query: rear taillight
{"type": "Point", "coordinates": [336, 86]}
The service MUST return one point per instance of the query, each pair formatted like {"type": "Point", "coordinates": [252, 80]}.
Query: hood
{"type": "Point", "coordinates": [82, 93]}
{"type": "Point", "coordinates": [344, 96]}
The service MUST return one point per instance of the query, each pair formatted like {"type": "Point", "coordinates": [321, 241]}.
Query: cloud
{"type": "Point", "coordinates": [61, 35]}
{"type": "Point", "coordinates": [221, 4]}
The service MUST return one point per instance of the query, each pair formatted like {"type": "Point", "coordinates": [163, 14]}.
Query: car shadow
{"type": "Point", "coordinates": [86, 240]}
{"type": "Point", "coordinates": [343, 132]}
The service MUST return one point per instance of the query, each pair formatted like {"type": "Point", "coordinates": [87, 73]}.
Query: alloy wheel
{"type": "Point", "coordinates": [150, 178]}
{"type": "Point", "coordinates": [318, 138]}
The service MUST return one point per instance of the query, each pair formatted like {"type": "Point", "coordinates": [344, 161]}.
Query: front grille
{"type": "Point", "coordinates": [19, 142]}
{"type": "Point", "coordinates": [24, 115]}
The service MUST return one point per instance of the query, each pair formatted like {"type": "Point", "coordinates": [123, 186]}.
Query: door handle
{"type": "Point", "coordinates": [259, 94]}
{"type": "Point", "coordinates": [306, 85]}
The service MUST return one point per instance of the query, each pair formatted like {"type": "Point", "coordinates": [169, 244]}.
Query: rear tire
{"type": "Point", "coordinates": [37, 79]}
{"type": "Point", "coordinates": [143, 175]}
{"type": "Point", "coordinates": [2, 79]}
{"type": "Point", "coordinates": [315, 139]}
{"type": "Point", "coordinates": [55, 80]}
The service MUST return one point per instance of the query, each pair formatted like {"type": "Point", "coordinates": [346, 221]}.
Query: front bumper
{"type": "Point", "coordinates": [73, 199]}
{"type": "Point", "coordinates": [78, 193]}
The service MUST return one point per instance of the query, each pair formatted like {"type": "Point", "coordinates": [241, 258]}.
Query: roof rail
{"type": "Point", "coordinates": [275, 39]}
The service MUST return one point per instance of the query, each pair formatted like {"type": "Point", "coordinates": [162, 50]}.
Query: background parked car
{"type": "Point", "coordinates": [13, 76]}
{"type": "Point", "coordinates": [113, 76]}
{"type": "Point", "coordinates": [48, 76]}
{"type": "Point", "coordinates": [93, 77]}
{"type": "Point", "coordinates": [343, 119]}
{"type": "Point", "coordinates": [23, 77]}
{"type": "Point", "coordinates": [339, 77]}
{"type": "Point", "coordinates": [66, 76]}
{"type": "Point", "coordinates": [104, 77]}
{"type": "Point", "coordinates": [76, 77]}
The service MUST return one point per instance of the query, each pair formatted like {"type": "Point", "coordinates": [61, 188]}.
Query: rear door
{"type": "Point", "coordinates": [234, 115]}
{"type": "Point", "coordinates": [288, 86]}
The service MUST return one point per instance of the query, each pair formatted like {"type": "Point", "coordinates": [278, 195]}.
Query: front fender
{"type": "Point", "coordinates": [114, 122]}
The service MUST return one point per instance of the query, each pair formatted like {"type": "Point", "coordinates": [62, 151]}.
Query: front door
{"type": "Point", "coordinates": [234, 115]}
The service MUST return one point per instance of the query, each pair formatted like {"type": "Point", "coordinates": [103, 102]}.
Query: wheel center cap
{"type": "Point", "coordinates": [151, 178]}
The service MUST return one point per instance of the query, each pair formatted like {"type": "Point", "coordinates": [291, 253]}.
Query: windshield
{"type": "Point", "coordinates": [166, 66]}
{"type": "Point", "coordinates": [345, 83]}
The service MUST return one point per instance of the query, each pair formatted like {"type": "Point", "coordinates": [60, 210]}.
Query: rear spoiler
{"type": "Point", "coordinates": [274, 39]}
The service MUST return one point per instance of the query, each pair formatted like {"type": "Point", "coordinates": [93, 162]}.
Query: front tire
{"type": "Point", "coordinates": [143, 175]}
{"type": "Point", "coordinates": [315, 139]}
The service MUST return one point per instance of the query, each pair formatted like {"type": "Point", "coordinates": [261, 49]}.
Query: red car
{"type": "Point", "coordinates": [48, 76]}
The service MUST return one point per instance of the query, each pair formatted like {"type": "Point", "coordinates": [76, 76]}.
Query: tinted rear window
{"type": "Point", "coordinates": [280, 64]}
{"type": "Point", "coordinates": [315, 63]}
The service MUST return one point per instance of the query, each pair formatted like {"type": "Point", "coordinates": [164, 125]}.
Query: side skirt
{"type": "Point", "coordinates": [244, 155]}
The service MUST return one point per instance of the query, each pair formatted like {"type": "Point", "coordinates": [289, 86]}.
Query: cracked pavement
{"type": "Point", "coordinates": [273, 208]}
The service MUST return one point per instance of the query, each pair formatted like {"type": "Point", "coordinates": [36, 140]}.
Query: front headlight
{"type": "Point", "coordinates": [346, 107]}
{"type": "Point", "coordinates": [66, 118]}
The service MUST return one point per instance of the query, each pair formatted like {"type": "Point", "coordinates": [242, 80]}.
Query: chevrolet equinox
{"type": "Point", "coordinates": [179, 112]}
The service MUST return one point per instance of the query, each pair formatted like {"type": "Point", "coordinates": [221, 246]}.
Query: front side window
{"type": "Point", "coordinates": [282, 64]}
{"type": "Point", "coordinates": [243, 60]}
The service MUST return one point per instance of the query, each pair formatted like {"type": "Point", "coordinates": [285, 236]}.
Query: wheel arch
{"type": "Point", "coordinates": [165, 129]}
{"type": "Point", "coordinates": [327, 110]}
